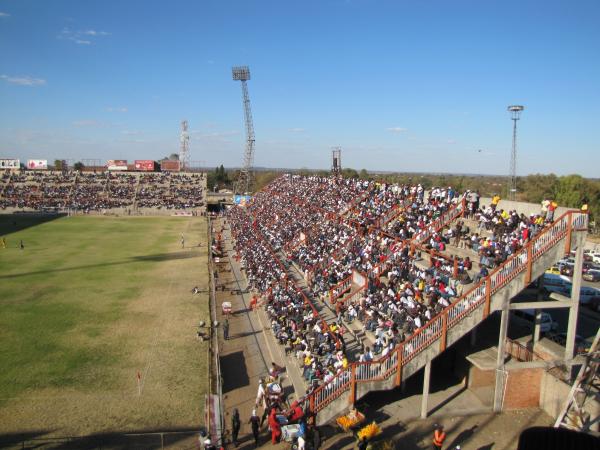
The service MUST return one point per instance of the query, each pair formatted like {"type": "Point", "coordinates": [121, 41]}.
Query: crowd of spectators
{"type": "Point", "coordinates": [97, 191]}
{"type": "Point", "coordinates": [340, 237]}
{"type": "Point", "coordinates": [380, 232]}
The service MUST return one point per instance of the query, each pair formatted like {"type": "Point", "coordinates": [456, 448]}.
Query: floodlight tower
{"type": "Point", "coordinates": [515, 114]}
{"type": "Point", "coordinates": [184, 151]}
{"type": "Point", "coordinates": [242, 73]}
{"type": "Point", "coordinates": [336, 161]}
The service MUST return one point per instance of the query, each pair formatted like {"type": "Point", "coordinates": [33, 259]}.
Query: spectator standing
{"type": "Point", "coordinates": [255, 424]}
{"type": "Point", "coordinates": [275, 426]}
{"type": "Point", "coordinates": [226, 329]}
{"type": "Point", "coordinates": [235, 426]}
{"type": "Point", "coordinates": [439, 436]}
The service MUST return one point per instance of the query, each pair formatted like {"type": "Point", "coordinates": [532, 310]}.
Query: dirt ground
{"type": "Point", "coordinates": [157, 333]}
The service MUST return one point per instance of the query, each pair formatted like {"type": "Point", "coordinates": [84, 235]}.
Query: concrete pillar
{"type": "Point", "coordinates": [538, 313]}
{"type": "Point", "coordinates": [473, 337]}
{"type": "Point", "coordinates": [499, 390]}
{"type": "Point", "coordinates": [574, 308]}
{"type": "Point", "coordinates": [537, 325]}
{"type": "Point", "coordinates": [426, 382]}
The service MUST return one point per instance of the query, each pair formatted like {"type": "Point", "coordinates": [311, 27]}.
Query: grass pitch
{"type": "Point", "coordinates": [86, 305]}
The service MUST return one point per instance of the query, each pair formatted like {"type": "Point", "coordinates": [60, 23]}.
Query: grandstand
{"type": "Point", "coordinates": [370, 282]}
{"type": "Point", "coordinates": [88, 192]}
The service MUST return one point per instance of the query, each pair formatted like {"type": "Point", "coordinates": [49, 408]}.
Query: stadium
{"type": "Point", "coordinates": [354, 287]}
{"type": "Point", "coordinates": [358, 272]}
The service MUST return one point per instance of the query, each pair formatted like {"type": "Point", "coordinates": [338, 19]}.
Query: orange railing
{"type": "Point", "coordinates": [446, 217]}
{"type": "Point", "coordinates": [436, 330]}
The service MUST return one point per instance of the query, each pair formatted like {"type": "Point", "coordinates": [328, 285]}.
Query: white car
{"type": "Point", "coordinates": [595, 255]}
{"type": "Point", "coordinates": [565, 262]}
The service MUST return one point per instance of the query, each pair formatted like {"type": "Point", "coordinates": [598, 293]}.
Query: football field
{"type": "Point", "coordinates": [98, 322]}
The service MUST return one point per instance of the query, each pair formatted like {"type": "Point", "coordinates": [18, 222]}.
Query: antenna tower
{"type": "Point", "coordinates": [336, 161]}
{"type": "Point", "coordinates": [515, 114]}
{"type": "Point", "coordinates": [245, 182]}
{"type": "Point", "coordinates": [184, 151]}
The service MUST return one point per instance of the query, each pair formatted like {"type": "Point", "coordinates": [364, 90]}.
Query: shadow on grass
{"type": "Point", "coordinates": [145, 258]}
{"type": "Point", "coordinates": [12, 223]}
{"type": "Point", "coordinates": [143, 439]}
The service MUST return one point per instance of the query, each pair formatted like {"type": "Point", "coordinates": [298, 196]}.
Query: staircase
{"type": "Point", "coordinates": [331, 400]}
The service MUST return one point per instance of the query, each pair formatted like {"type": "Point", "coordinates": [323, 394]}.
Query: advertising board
{"type": "Point", "coordinates": [144, 165]}
{"type": "Point", "coordinates": [116, 164]}
{"type": "Point", "coordinates": [37, 164]}
{"type": "Point", "coordinates": [170, 166]}
{"type": "Point", "coordinates": [241, 200]}
{"type": "Point", "coordinates": [10, 163]}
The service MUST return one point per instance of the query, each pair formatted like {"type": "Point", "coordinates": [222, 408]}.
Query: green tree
{"type": "Point", "coordinates": [570, 191]}
{"type": "Point", "coordinates": [78, 166]}
{"type": "Point", "coordinates": [58, 164]}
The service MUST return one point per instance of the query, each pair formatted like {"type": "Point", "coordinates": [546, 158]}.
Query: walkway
{"type": "Point", "coordinates": [247, 355]}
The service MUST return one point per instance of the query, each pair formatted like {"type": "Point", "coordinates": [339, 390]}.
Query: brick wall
{"type": "Point", "coordinates": [523, 388]}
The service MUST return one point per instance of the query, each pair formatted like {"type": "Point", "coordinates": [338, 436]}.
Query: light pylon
{"type": "Point", "coordinates": [246, 179]}
{"type": "Point", "coordinates": [515, 114]}
{"type": "Point", "coordinates": [336, 161]}
{"type": "Point", "coordinates": [184, 151]}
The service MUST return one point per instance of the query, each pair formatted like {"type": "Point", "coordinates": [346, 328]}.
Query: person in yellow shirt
{"type": "Point", "coordinates": [495, 201]}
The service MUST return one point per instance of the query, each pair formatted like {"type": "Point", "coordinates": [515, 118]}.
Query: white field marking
{"type": "Point", "coordinates": [159, 333]}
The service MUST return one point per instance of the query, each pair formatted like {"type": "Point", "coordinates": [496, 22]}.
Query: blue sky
{"type": "Point", "coordinates": [399, 85]}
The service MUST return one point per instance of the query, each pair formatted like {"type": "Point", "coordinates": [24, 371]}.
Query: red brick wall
{"type": "Point", "coordinates": [523, 388]}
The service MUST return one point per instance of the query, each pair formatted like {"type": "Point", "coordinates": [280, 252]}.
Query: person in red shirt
{"type": "Point", "coordinates": [275, 426]}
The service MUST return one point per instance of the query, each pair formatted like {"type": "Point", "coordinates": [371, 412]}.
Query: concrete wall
{"type": "Point", "coordinates": [481, 378]}
{"type": "Point", "coordinates": [553, 394]}
{"type": "Point", "coordinates": [524, 207]}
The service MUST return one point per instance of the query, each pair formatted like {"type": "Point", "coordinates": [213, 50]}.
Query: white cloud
{"type": "Point", "coordinates": [297, 130]}
{"type": "Point", "coordinates": [81, 37]}
{"type": "Point", "coordinates": [24, 80]}
{"type": "Point", "coordinates": [3, 14]}
{"type": "Point", "coordinates": [451, 141]}
{"type": "Point", "coordinates": [117, 109]}
{"type": "Point", "coordinates": [131, 132]}
{"type": "Point", "coordinates": [86, 123]}
{"type": "Point", "coordinates": [95, 33]}
{"type": "Point", "coordinates": [396, 129]}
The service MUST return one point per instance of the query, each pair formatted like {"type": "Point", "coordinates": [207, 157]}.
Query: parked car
{"type": "Point", "coordinates": [554, 270]}
{"type": "Point", "coordinates": [547, 324]}
{"type": "Point", "coordinates": [567, 270]}
{"type": "Point", "coordinates": [566, 261]}
{"type": "Point", "coordinates": [592, 275]}
{"type": "Point", "coordinates": [555, 283]}
{"type": "Point", "coordinates": [581, 345]}
{"type": "Point", "coordinates": [594, 255]}
{"type": "Point", "coordinates": [587, 294]}
{"type": "Point", "coordinates": [589, 266]}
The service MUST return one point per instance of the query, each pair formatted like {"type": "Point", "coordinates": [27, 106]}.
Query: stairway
{"type": "Point", "coordinates": [331, 400]}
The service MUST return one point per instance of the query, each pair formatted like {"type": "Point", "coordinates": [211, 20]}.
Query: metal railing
{"type": "Point", "coordinates": [436, 330]}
